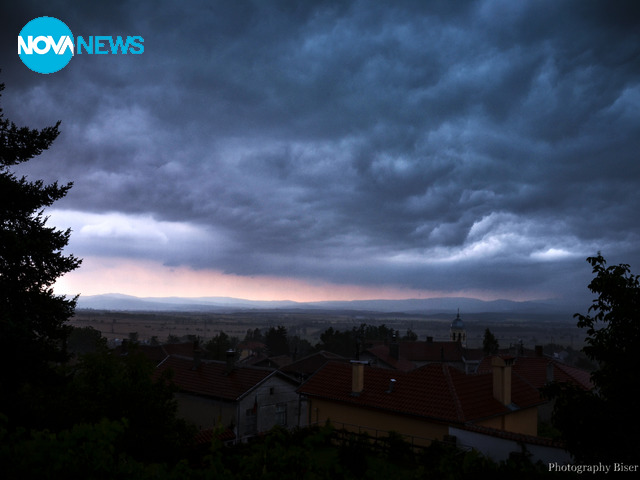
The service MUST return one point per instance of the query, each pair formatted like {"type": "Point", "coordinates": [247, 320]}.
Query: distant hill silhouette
{"type": "Point", "coordinates": [448, 305]}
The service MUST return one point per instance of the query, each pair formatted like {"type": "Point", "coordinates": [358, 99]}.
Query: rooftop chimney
{"type": "Point", "coordinates": [549, 372]}
{"type": "Point", "coordinates": [197, 358]}
{"type": "Point", "coordinates": [392, 383]}
{"type": "Point", "coordinates": [394, 349]}
{"type": "Point", "coordinates": [501, 367]}
{"type": "Point", "coordinates": [429, 339]}
{"type": "Point", "coordinates": [539, 350]}
{"type": "Point", "coordinates": [357, 378]}
{"type": "Point", "coordinates": [230, 358]}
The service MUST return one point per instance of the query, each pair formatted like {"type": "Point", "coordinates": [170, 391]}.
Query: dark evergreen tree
{"type": "Point", "coordinates": [277, 341]}
{"type": "Point", "coordinates": [411, 336]}
{"type": "Point", "coordinates": [33, 328]}
{"type": "Point", "coordinates": [217, 347]}
{"type": "Point", "coordinates": [490, 344]}
{"type": "Point", "coordinates": [254, 335]}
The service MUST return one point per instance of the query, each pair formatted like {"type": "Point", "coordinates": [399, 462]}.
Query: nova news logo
{"type": "Point", "coordinates": [46, 45]}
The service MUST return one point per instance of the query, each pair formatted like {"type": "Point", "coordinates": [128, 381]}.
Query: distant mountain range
{"type": "Point", "coordinates": [447, 305]}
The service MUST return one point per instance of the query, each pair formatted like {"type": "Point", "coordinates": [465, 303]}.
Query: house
{"type": "Point", "coordinates": [157, 353]}
{"type": "Point", "coordinates": [499, 445]}
{"type": "Point", "coordinates": [251, 351]}
{"type": "Point", "coordinates": [274, 362]}
{"type": "Point", "coordinates": [539, 370]}
{"type": "Point", "coordinates": [305, 367]}
{"type": "Point", "coordinates": [421, 404]}
{"type": "Point", "coordinates": [248, 400]}
{"type": "Point", "coordinates": [407, 356]}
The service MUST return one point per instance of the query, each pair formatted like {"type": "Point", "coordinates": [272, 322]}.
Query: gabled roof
{"type": "Point", "coordinates": [473, 354]}
{"type": "Point", "coordinates": [410, 353]}
{"type": "Point", "coordinates": [212, 379]}
{"type": "Point", "coordinates": [432, 351]}
{"type": "Point", "coordinates": [436, 391]}
{"type": "Point", "coordinates": [535, 370]}
{"type": "Point", "coordinates": [186, 349]}
{"type": "Point", "coordinates": [157, 353]}
{"type": "Point", "coordinates": [381, 353]}
{"type": "Point", "coordinates": [251, 345]}
{"type": "Point", "coordinates": [276, 361]}
{"type": "Point", "coordinates": [310, 364]}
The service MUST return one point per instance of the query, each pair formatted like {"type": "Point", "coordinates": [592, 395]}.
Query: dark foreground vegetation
{"type": "Point", "coordinates": [92, 451]}
{"type": "Point", "coordinates": [102, 415]}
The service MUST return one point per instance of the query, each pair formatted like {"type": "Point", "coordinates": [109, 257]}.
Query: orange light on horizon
{"type": "Point", "coordinates": [144, 278]}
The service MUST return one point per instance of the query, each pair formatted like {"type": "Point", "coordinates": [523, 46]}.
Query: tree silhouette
{"type": "Point", "coordinates": [33, 332]}
{"type": "Point", "coordinates": [602, 424]}
{"type": "Point", "coordinates": [490, 344]}
{"type": "Point", "coordinates": [277, 341]}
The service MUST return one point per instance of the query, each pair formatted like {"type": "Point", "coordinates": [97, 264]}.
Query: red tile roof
{"type": "Point", "coordinates": [436, 391]}
{"type": "Point", "coordinates": [276, 361]}
{"type": "Point", "coordinates": [382, 353]}
{"type": "Point", "coordinates": [534, 370]}
{"type": "Point", "coordinates": [211, 378]}
{"type": "Point", "coordinates": [254, 346]}
{"type": "Point", "coordinates": [411, 354]}
{"type": "Point", "coordinates": [432, 351]}
{"type": "Point", "coordinates": [186, 349]}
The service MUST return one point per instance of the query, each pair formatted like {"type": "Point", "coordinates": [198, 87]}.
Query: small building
{"type": "Point", "coordinates": [539, 370]}
{"type": "Point", "coordinates": [247, 400]}
{"type": "Point", "coordinates": [304, 368]}
{"type": "Point", "coordinates": [409, 355]}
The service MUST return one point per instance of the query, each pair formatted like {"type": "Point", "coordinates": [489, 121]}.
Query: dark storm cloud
{"type": "Point", "coordinates": [448, 145]}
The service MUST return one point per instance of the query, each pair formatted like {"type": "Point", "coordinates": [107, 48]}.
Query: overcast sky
{"type": "Point", "coordinates": [341, 150]}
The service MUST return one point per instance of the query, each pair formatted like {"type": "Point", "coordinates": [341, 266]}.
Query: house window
{"type": "Point", "coordinates": [251, 421]}
{"type": "Point", "coordinates": [281, 414]}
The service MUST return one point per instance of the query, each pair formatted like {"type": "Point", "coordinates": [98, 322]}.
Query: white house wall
{"type": "Point", "coordinates": [269, 394]}
{"type": "Point", "coordinates": [498, 449]}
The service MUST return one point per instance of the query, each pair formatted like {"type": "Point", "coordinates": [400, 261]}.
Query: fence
{"type": "Point", "coordinates": [385, 440]}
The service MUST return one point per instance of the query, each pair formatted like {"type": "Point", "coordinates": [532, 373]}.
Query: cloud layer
{"type": "Point", "coordinates": [487, 145]}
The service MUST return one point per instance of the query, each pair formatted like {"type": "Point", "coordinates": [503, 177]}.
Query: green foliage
{"type": "Point", "coordinates": [33, 330]}
{"type": "Point", "coordinates": [82, 451]}
{"type": "Point", "coordinates": [350, 342]}
{"type": "Point", "coordinates": [69, 453]}
{"type": "Point", "coordinates": [85, 340]}
{"type": "Point", "coordinates": [602, 425]}
{"type": "Point", "coordinates": [105, 385]}
{"type": "Point", "coordinates": [613, 330]}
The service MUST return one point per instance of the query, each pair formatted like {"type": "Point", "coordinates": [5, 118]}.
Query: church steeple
{"type": "Point", "coordinates": [457, 331]}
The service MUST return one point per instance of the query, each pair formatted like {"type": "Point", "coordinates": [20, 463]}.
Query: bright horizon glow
{"type": "Point", "coordinates": [144, 278]}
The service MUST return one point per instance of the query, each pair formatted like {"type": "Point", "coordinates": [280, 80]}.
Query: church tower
{"type": "Point", "coordinates": [457, 332]}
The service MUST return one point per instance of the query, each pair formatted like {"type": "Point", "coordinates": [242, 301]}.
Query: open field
{"type": "Point", "coordinates": [509, 329]}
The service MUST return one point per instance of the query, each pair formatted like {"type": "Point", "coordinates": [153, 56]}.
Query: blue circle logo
{"type": "Point", "coordinates": [45, 45]}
